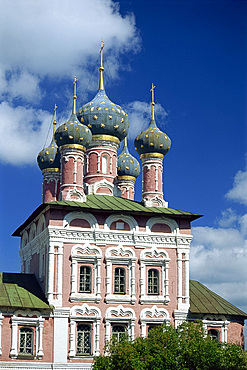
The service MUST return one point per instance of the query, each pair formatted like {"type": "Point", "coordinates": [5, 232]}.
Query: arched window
{"type": "Point", "coordinates": [85, 283]}
{"type": "Point", "coordinates": [153, 281]}
{"type": "Point", "coordinates": [214, 334]}
{"type": "Point", "coordinates": [26, 341]}
{"type": "Point", "coordinates": [104, 164]}
{"type": "Point", "coordinates": [83, 347]}
{"type": "Point", "coordinates": [118, 332]}
{"type": "Point", "coordinates": [119, 280]}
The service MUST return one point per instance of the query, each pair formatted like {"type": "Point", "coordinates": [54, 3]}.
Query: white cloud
{"type": "Point", "coordinates": [23, 134]}
{"type": "Point", "coordinates": [239, 189]}
{"type": "Point", "coordinates": [219, 254]}
{"type": "Point", "coordinates": [140, 114]}
{"type": "Point", "coordinates": [44, 41]}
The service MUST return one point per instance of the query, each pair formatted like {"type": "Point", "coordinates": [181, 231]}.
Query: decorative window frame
{"type": "Point", "coordinates": [84, 314]}
{"type": "Point", "coordinates": [162, 220]}
{"type": "Point", "coordinates": [120, 315]}
{"type": "Point", "coordinates": [25, 318]}
{"type": "Point", "coordinates": [154, 257]}
{"type": "Point", "coordinates": [131, 221]}
{"type": "Point", "coordinates": [120, 256]}
{"type": "Point", "coordinates": [154, 316]}
{"type": "Point", "coordinates": [87, 254]}
{"type": "Point", "coordinates": [217, 322]}
{"type": "Point", "coordinates": [91, 219]}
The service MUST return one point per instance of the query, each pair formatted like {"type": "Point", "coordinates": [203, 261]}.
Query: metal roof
{"type": "Point", "coordinates": [107, 203]}
{"type": "Point", "coordinates": [204, 301]}
{"type": "Point", "coordinates": [21, 291]}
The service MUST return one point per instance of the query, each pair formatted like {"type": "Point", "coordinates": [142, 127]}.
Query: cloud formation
{"type": "Point", "coordinates": [219, 254]}
{"type": "Point", "coordinates": [43, 42]}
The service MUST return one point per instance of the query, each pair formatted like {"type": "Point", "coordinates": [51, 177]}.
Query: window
{"type": "Point", "coordinates": [104, 164]}
{"type": "Point", "coordinates": [214, 334]}
{"type": "Point", "coordinates": [85, 279]}
{"type": "Point", "coordinates": [153, 281]}
{"type": "Point", "coordinates": [26, 341]}
{"type": "Point", "coordinates": [118, 332]}
{"type": "Point", "coordinates": [83, 340]}
{"type": "Point", "coordinates": [119, 280]}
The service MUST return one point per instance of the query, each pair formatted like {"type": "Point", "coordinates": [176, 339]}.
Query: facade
{"type": "Point", "coordinates": [94, 262]}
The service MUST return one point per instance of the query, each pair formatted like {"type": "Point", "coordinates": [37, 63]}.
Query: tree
{"type": "Point", "coordinates": [165, 347]}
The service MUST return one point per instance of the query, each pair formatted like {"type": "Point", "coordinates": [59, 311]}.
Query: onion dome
{"type": "Point", "coordinates": [127, 164]}
{"type": "Point", "coordinates": [49, 158]}
{"type": "Point", "coordinates": [152, 140]}
{"type": "Point", "coordinates": [102, 116]}
{"type": "Point", "coordinates": [73, 132]}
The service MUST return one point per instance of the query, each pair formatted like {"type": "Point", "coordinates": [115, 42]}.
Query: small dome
{"type": "Point", "coordinates": [49, 157]}
{"type": "Point", "coordinates": [104, 117]}
{"type": "Point", "coordinates": [127, 164]}
{"type": "Point", "coordinates": [152, 140]}
{"type": "Point", "coordinates": [73, 132]}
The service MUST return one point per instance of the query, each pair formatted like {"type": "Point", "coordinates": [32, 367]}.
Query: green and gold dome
{"type": "Point", "coordinates": [49, 158]}
{"type": "Point", "coordinates": [101, 115]}
{"type": "Point", "coordinates": [127, 164]}
{"type": "Point", "coordinates": [73, 132]}
{"type": "Point", "coordinates": [152, 140]}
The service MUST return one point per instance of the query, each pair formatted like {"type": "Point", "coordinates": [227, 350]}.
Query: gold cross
{"type": "Point", "coordinates": [152, 89]}
{"type": "Point", "coordinates": [101, 52]}
{"type": "Point", "coordinates": [75, 80]}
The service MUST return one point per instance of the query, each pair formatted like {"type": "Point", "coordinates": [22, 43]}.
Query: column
{"type": "Point", "coordinates": [60, 274]}
{"type": "Point", "coordinates": [40, 338]}
{"type": "Point", "coordinates": [187, 279]}
{"type": "Point", "coordinates": [180, 277]}
{"type": "Point", "coordinates": [74, 277]}
{"type": "Point", "coordinates": [98, 279]}
{"type": "Point", "coordinates": [13, 351]}
{"type": "Point", "coordinates": [50, 274]}
{"type": "Point", "coordinates": [72, 339]}
{"type": "Point", "coordinates": [132, 281]}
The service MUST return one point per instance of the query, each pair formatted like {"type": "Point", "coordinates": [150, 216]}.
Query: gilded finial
{"type": "Point", "coordinates": [125, 141]}
{"type": "Point", "coordinates": [101, 68]}
{"type": "Point", "coordinates": [55, 119]}
{"type": "Point", "coordinates": [153, 103]}
{"type": "Point", "coordinates": [74, 97]}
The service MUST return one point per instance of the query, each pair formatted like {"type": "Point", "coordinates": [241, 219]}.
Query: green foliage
{"type": "Point", "coordinates": [184, 348]}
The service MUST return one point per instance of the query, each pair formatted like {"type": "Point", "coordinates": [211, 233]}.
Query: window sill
{"type": "Point", "coordinates": [119, 298]}
{"type": "Point", "coordinates": [154, 299]}
{"type": "Point", "coordinates": [82, 297]}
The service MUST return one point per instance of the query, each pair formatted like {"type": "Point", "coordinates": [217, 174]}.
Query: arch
{"type": "Point", "coordinates": [32, 233]}
{"type": "Point", "coordinates": [131, 221]}
{"type": "Point", "coordinates": [105, 163]}
{"type": "Point", "coordinates": [162, 220]}
{"type": "Point", "coordinates": [91, 219]}
{"type": "Point", "coordinates": [41, 224]}
{"type": "Point", "coordinates": [24, 239]}
{"type": "Point", "coordinates": [155, 316]}
{"type": "Point", "coordinates": [120, 315]}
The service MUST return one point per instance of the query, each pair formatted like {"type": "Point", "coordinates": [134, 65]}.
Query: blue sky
{"type": "Point", "coordinates": [195, 54]}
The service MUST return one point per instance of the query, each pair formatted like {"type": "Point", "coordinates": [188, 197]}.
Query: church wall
{"type": "Point", "coordinates": [235, 333]}
{"type": "Point", "coordinates": [6, 338]}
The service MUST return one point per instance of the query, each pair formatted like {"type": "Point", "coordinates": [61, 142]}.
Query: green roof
{"type": "Point", "coordinates": [108, 203]}
{"type": "Point", "coordinates": [204, 301]}
{"type": "Point", "coordinates": [21, 291]}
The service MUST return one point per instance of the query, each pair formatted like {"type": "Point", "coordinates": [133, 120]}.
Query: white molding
{"type": "Point", "coordinates": [154, 257]}
{"type": "Point", "coordinates": [86, 314]}
{"type": "Point", "coordinates": [162, 220]}
{"type": "Point", "coordinates": [131, 221]}
{"type": "Point", "coordinates": [92, 188]}
{"type": "Point", "coordinates": [89, 217]}
{"type": "Point", "coordinates": [119, 314]}
{"type": "Point", "coordinates": [153, 315]}
{"type": "Point", "coordinates": [219, 322]}
{"type": "Point", "coordinates": [120, 256]}
{"type": "Point", "coordinates": [85, 254]}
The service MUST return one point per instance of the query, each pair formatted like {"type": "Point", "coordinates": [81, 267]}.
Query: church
{"type": "Point", "coordinates": [96, 264]}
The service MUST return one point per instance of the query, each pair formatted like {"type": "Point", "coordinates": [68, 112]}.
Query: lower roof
{"type": "Point", "coordinates": [108, 203]}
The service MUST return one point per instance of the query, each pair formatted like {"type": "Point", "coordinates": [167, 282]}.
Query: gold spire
{"type": "Point", "coordinates": [55, 121]}
{"type": "Point", "coordinates": [153, 103]}
{"type": "Point", "coordinates": [101, 68]}
{"type": "Point", "coordinates": [74, 97]}
{"type": "Point", "coordinates": [125, 141]}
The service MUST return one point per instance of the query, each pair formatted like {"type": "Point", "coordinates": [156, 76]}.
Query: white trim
{"type": "Point", "coordinates": [85, 254]}
{"type": "Point", "coordinates": [154, 257]}
{"type": "Point", "coordinates": [131, 221]}
{"type": "Point", "coordinates": [162, 220]}
{"type": "Point", "coordinates": [86, 314]}
{"type": "Point", "coordinates": [89, 217]}
{"type": "Point", "coordinates": [41, 222]}
{"type": "Point", "coordinates": [119, 315]}
{"type": "Point", "coordinates": [153, 315]}
{"type": "Point", "coordinates": [27, 319]}
{"type": "Point", "coordinates": [122, 256]}
{"type": "Point", "coordinates": [215, 322]}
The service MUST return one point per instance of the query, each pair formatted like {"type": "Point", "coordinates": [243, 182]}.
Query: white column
{"type": "Point", "coordinates": [50, 274]}
{"type": "Point", "coordinates": [156, 177]}
{"type": "Point", "coordinates": [132, 330]}
{"type": "Point", "coordinates": [98, 163]}
{"type": "Point", "coordinates": [13, 351]}
{"type": "Point", "coordinates": [97, 325]}
{"type": "Point", "coordinates": [75, 170]}
{"type": "Point", "coordinates": [110, 164]}
{"type": "Point", "coordinates": [107, 331]}
{"type": "Point", "coordinates": [108, 277]}
{"type": "Point", "coordinates": [143, 329]}
{"type": "Point", "coordinates": [142, 280]}
{"type": "Point", "coordinates": [60, 274]}
{"type": "Point", "coordinates": [98, 278]}
{"type": "Point", "coordinates": [166, 295]}
{"type": "Point", "coordinates": [180, 278]}
{"type": "Point", "coordinates": [132, 281]}
{"type": "Point", "coordinates": [74, 277]}
{"type": "Point", "coordinates": [1, 323]}
{"type": "Point", "coordinates": [40, 337]}
{"type": "Point", "coordinates": [187, 278]}
{"type": "Point", "coordinates": [72, 339]}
